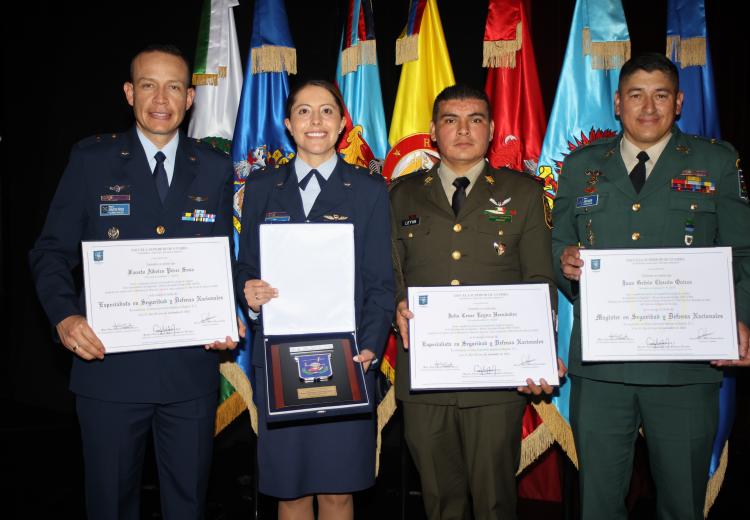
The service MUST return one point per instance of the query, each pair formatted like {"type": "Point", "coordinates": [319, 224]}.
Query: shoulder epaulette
{"type": "Point", "coordinates": [713, 140]}
{"type": "Point", "coordinates": [96, 139]}
{"type": "Point", "coordinates": [210, 144]}
{"type": "Point", "coordinates": [403, 178]}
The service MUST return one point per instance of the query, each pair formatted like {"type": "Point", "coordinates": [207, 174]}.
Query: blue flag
{"type": "Point", "coordinates": [583, 112]}
{"type": "Point", "coordinates": [365, 141]}
{"type": "Point", "coordinates": [687, 46]}
{"type": "Point", "coordinates": [260, 139]}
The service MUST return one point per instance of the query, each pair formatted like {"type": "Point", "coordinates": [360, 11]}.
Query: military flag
{"type": "Point", "coordinates": [518, 113]}
{"type": "Point", "coordinates": [365, 140]}
{"type": "Point", "coordinates": [426, 70]}
{"type": "Point", "coordinates": [259, 140]}
{"type": "Point", "coordinates": [217, 75]}
{"type": "Point", "coordinates": [687, 46]}
{"type": "Point", "coordinates": [583, 112]}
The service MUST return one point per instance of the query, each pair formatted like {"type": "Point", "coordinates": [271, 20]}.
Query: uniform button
{"type": "Point", "coordinates": [455, 282]}
{"type": "Point", "coordinates": [456, 255]}
{"type": "Point", "coordinates": [457, 228]}
{"type": "Point", "coordinates": [411, 235]}
{"type": "Point", "coordinates": [636, 206]}
{"type": "Point", "coordinates": [500, 232]}
{"type": "Point", "coordinates": [635, 236]}
{"type": "Point", "coordinates": [694, 206]}
{"type": "Point", "coordinates": [160, 230]}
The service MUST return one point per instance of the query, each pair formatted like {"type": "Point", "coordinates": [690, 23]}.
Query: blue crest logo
{"type": "Point", "coordinates": [99, 256]}
{"type": "Point", "coordinates": [423, 299]}
{"type": "Point", "coordinates": [596, 264]}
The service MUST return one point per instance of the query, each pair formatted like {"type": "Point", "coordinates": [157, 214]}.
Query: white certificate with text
{"type": "Point", "coordinates": [658, 304]}
{"type": "Point", "coordinates": [488, 336]}
{"type": "Point", "coordinates": [147, 294]}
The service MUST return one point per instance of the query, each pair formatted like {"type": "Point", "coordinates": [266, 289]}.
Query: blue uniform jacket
{"type": "Point", "coordinates": [350, 195]}
{"type": "Point", "coordinates": [113, 169]}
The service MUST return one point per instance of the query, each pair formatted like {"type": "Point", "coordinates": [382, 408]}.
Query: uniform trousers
{"type": "Point", "coordinates": [467, 458]}
{"type": "Point", "coordinates": [679, 425]}
{"type": "Point", "coordinates": [114, 439]}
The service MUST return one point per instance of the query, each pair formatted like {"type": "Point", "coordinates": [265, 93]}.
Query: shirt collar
{"type": "Point", "coordinates": [447, 176]}
{"type": "Point", "coordinates": [629, 152]}
{"type": "Point", "coordinates": [169, 149]}
{"type": "Point", "coordinates": [301, 168]}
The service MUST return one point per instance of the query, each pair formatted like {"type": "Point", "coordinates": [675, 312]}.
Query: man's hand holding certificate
{"type": "Point", "coordinates": [478, 337]}
{"type": "Point", "coordinates": [143, 294]}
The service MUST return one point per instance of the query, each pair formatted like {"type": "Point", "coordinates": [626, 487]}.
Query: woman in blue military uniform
{"type": "Point", "coordinates": [327, 458]}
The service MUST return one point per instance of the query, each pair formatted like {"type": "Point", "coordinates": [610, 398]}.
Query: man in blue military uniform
{"type": "Point", "coordinates": [676, 403]}
{"type": "Point", "coordinates": [138, 185]}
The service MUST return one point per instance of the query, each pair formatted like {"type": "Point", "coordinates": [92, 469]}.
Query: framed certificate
{"type": "Point", "coordinates": [309, 329]}
{"type": "Point", "coordinates": [475, 337]}
{"type": "Point", "coordinates": [148, 294]}
{"type": "Point", "coordinates": [658, 304]}
{"type": "Point", "coordinates": [312, 376]}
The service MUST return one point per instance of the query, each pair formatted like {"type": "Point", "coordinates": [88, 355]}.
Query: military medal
{"type": "Point", "coordinates": [335, 217]}
{"type": "Point", "coordinates": [499, 248]}
{"type": "Point", "coordinates": [314, 368]}
{"type": "Point", "coordinates": [500, 213]}
{"type": "Point", "coordinates": [593, 179]}
{"type": "Point", "coordinates": [689, 230]}
{"type": "Point", "coordinates": [590, 233]}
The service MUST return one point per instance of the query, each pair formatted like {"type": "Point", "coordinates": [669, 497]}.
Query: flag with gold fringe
{"type": "Point", "coordinates": [426, 70]}
{"type": "Point", "coordinates": [217, 78]}
{"type": "Point", "coordinates": [364, 141]}
{"type": "Point", "coordinates": [259, 140]}
{"type": "Point", "coordinates": [518, 113]}
{"type": "Point", "coordinates": [583, 112]}
{"type": "Point", "coordinates": [687, 46]}
{"type": "Point", "coordinates": [217, 75]}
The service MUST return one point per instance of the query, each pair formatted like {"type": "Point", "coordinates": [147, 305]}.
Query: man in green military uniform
{"type": "Point", "coordinates": [600, 205]}
{"type": "Point", "coordinates": [466, 445]}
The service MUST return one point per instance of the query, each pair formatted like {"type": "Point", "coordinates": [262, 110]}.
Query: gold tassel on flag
{"type": "Point", "coordinates": [502, 53]}
{"type": "Point", "coordinates": [605, 55]}
{"type": "Point", "coordinates": [271, 58]}
{"type": "Point", "coordinates": [363, 53]}
{"type": "Point", "coordinates": [407, 49]}
{"type": "Point", "coordinates": [688, 52]}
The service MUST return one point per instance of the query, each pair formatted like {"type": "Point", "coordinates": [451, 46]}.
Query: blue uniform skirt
{"type": "Point", "coordinates": [327, 456]}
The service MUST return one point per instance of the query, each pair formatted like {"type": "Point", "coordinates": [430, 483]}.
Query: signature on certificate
{"type": "Point", "coordinates": [485, 370]}
{"type": "Point", "coordinates": [659, 342]}
{"type": "Point", "coordinates": [208, 318]}
{"type": "Point", "coordinates": [121, 326]}
{"type": "Point", "coordinates": [165, 330]}
{"type": "Point", "coordinates": [705, 334]}
{"type": "Point", "coordinates": [528, 361]}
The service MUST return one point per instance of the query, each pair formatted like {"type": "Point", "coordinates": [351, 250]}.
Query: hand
{"type": "Point", "coordinates": [571, 263]}
{"type": "Point", "coordinates": [365, 357]}
{"type": "Point", "coordinates": [258, 292]}
{"type": "Point", "coordinates": [227, 344]}
{"type": "Point", "coordinates": [77, 336]}
{"type": "Point", "coordinates": [543, 387]}
{"type": "Point", "coordinates": [403, 315]}
{"type": "Point", "coordinates": [743, 347]}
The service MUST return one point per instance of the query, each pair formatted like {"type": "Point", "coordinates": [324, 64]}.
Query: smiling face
{"type": "Point", "coordinates": [315, 122]}
{"type": "Point", "coordinates": [648, 104]}
{"type": "Point", "coordinates": [463, 130]}
{"type": "Point", "coordinates": [159, 94]}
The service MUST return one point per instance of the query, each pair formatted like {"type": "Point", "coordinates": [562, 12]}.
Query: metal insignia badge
{"type": "Point", "coordinates": [499, 248]}
{"type": "Point", "coordinates": [113, 233]}
{"type": "Point", "coordinates": [500, 213]}
{"type": "Point", "coordinates": [313, 368]}
{"type": "Point", "coordinates": [198, 198]}
{"type": "Point", "coordinates": [590, 233]}
{"type": "Point", "coordinates": [335, 217]}
{"type": "Point", "coordinates": [683, 149]}
{"type": "Point", "coordinates": [428, 180]}
{"type": "Point", "coordinates": [490, 179]}
{"type": "Point", "coordinates": [117, 188]}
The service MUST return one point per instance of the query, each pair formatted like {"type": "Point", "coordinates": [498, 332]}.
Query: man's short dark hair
{"type": "Point", "coordinates": [166, 48]}
{"type": "Point", "coordinates": [650, 62]}
{"type": "Point", "coordinates": [460, 92]}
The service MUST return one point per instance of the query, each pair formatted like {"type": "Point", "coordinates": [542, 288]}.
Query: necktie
{"type": "Point", "coordinates": [160, 176]}
{"type": "Point", "coordinates": [459, 196]}
{"type": "Point", "coordinates": [638, 173]}
{"type": "Point", "coordinates": [306, 179]}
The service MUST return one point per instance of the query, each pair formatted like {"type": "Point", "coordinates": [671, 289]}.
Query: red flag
{"type": "Point", "coordinates": [518, 113]}
{"type": "Point", "coordinates": [513, 87]}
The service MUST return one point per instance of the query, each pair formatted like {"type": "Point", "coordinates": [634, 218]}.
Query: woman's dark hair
{"type": "Point", "coordinates": [330, 87]}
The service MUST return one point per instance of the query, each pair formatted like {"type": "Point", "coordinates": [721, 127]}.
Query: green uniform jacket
{"type": "Point", "coordinates": [433, 247]}
{"type": "Point", "coordinates": [657, 217]}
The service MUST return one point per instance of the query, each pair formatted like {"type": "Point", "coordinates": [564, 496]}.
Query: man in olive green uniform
{"type": "Point", "coordinates": [599, 205]}
{"type": "Point", "coordinates": [466, 445]}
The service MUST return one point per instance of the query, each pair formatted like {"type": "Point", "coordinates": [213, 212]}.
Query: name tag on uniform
{"type": "Point", "coordinates": [412, 220]}
{"type": "Point", "coordinates": [587, 201]}
{"type": "Point", "coordinates": [114, 210]}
